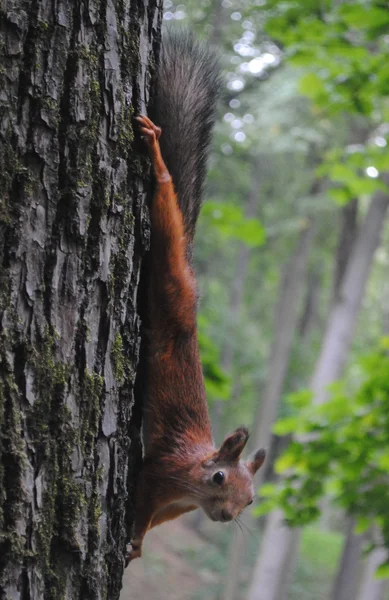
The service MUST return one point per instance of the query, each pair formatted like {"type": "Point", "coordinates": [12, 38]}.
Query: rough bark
{"type": "Point", "coordinates": [73, 229]}
{"type": "Point", "coordinates": [330, 364]}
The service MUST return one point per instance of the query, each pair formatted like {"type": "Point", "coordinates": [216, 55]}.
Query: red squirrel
{"type": "Point", "coordinates": [182, 470]}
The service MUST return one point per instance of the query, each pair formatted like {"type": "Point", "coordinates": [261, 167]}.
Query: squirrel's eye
{"type": "Point", "coordinates": [218, 477]}
{"type": "Point", "coordinates": [249, 503]}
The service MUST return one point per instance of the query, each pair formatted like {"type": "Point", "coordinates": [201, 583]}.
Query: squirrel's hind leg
{"type": "Point", "coordinates": [145, 508]}
{"type": "Point", "coordinates": [168, 513]}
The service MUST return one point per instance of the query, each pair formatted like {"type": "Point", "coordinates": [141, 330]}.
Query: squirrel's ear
{"type": "Point", "coordinates": [232, 447]}
{"type": "Point", "coordinates": [257, 461]}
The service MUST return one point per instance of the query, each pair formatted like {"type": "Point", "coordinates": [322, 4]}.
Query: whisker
{"type": "Point", "coordinates": [239, 524]}
{"type": "Point", "coordinates": [186, 485]}
{"type": "Point", "coordinates": [234, 529]}
{"type": "Point", "coordinates": [245, 527]}
{"type": "Point", "coordinates": [181, 483]}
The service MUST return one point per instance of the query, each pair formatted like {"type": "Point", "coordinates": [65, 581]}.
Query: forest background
{"type": "Point", "coordinates": [293, 268]}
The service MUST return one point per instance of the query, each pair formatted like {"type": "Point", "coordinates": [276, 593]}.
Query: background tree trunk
{"type": "Point", "coordinates": [285, 323]}
{"type": "Point", "coordinates": [73, 229]}
{"type": "Point", "coordinates": [346, 581]}
{"type": "Point", "coordinates": [277, 540]}
{"type": "Point", "coordinates": [336, 344]}
{"type": "Point", "coordinates": [347, 237]}
{"type": "Point", "coordinates": [310, 313]}
{"type": "Point", "coordinates": [343, 316]}
{"type": "Point", "coordinates": [371, 588]}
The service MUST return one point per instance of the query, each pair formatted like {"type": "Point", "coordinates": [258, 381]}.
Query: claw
{"type": "Point", "coordinates": [134, 550]}
{"type": "Point", "coordinates": [148, 127]}
{"type": "Point", "coordinates": [147, 121]}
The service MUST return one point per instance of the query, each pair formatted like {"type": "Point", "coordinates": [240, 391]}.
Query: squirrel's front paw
{"type": "Point", "coordinates": [134, 550]}
{"type": "Point", "coordinates": [150, 131]}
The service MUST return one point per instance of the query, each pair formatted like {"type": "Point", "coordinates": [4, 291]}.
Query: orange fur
{"type": "Point", "coordinates": [180, 459]}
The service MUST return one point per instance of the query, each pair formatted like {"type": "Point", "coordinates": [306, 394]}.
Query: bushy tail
{"type": "Point", "coordinates": [187, 91]}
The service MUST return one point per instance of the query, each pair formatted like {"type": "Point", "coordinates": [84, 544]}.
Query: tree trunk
{"type": "Point", "coordinates": [285, 323]}
{"type": "Point", "coordinates": [289, 568]}
{"type": "Point", "coordinates": [336, 344]}
{"type": "Point", "coordinates": [346, 582]}
{"type": "Point", "coordinates": [373, 589]}
{"type": "Point", "coordinates": [309, 315]}
{"type": "Point", "coordinates": [73, 229]}
{"type": "Point", "coordinates": [347, 237]}
{"type": "Point", "coordinates": [277, 540]}
{"type": "Point", "coordinates": [343, 317]}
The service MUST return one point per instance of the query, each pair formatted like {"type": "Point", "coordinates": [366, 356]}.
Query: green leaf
{"type": "Point", "coordinates": [267, 490]}
{"type": "Point", "coordinates": [364, 17]}
{"type": "Point", "coordinates": [217, 382]}
{"type": "Point", "coordinates": [263, 509]}
{"type": "Point", "coordinates": [341, 196]}
{"type": "Point", "coordinates": [300, 57]}
{"type": "Point", "coordinates": [384, 343]}
{"type": "Point", "coordinates": [354, 53]}
{"type": "Point", "coordinates": [335, 409]}
{"type": "Point", "coordinates": [383, 80]}
{"type": "Point", "coordinates": [285, 426]}
{"type": "Point", "coordinates": [382, 571]}
{"type": "Point", "coordinates": [231, 223]}
{"type": "Point", "coordinates": [366, 185]}
{"type": "Point", "coordinates": [342, 172]}
{"type": "Point", "coordinates": [284, 463]}
{"type": "Point", "coordinates": [301, 399]}
{"type": "Point", "coordinates": [383, 462]}
{"type": "Point", "coordinates": [333, 487]}
{"type": "Point", "coordinates": [363, 524]}
{"type": "Point", "coordinates": [311, 85]}
{"type": "Point", "coordinates": [381, 161]}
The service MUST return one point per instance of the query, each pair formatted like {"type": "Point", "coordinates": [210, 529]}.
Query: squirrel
{"type": "Point", "coordinates": [182, 470]}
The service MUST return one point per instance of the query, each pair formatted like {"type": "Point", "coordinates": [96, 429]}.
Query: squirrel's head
{"type": "Point", "coordinates": [228, 480]}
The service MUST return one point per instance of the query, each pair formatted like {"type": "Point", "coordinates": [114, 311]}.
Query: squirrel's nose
{"type": "Point", "coordinates": [226, 516]}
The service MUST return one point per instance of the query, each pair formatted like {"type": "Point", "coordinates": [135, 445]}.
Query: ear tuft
{"type": "Point", "coordinates": [232, 447]}
{"type": "Point", "coordinates": [257, 461]}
